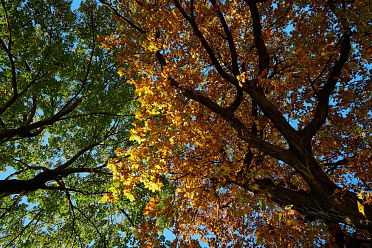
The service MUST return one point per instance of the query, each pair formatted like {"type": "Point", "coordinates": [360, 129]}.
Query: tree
{"type": "Point", "coordinates": [63, 109]}
{"type": "Point", "coordinates": [256, 112]}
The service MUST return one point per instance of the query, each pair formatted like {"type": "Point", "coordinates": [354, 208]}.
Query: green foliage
{"type": "Point", "coordinates": [63, 109]}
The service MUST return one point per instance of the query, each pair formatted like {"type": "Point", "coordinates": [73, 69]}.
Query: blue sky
{"type": "Point", "coordinates": [75, 4]}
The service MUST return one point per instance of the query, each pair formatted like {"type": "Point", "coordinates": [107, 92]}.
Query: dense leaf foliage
{"type": "Point", "coordinates": [256, 112]}
{"type": "Point", "coordinates": [63, 109]}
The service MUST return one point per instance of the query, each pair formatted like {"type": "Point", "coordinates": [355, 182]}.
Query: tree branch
{"type": "Point", "coordinates": [322, 108]}
{"type": "Point", "coordinates": [333, 165]}
{"type": "Point", "coordinates": [25, 227]}
{"type": "Point", "coordinates": [230, 40]}
{"type": "Point", "coordinates": [241, 129]}
{"type": "Point", "coordinates": [73, 190]}
{"type": "Point", "coordinates": [128, 217]}
{"type": "Point", "coordinates": [339, 207]}
{"type": "Point", "coordinates": [12, 67]}
{"type": "Point", "coordinates": [77, 155]}
{"type": "Point", "coordinates": [71, 205]}
{"type": "Point", "coordinates": [206, 45]}
{"type": "Point", "coordinates": [6, 210]}
{"type": "Point", "coordinates": [25, 131]}
{"type": "Point", "coordinates": [117, 13]}
{"type": "Point", "coordinates": [38, 75]}
{"type": "Point", "coordinates": [237, 101]}
{"type": "Point", "coordinates": [94, 225]}
{"type": "Point", "coordinates": [96, 113]}
{"type": "Point", "coordinates": [272, 112]}
{"type": "Point", "coordinates": [263, 55]}
{"type": "Point", "coordinates": [9, 52]}
{"type": "Point", "coordinates": [16, 186]}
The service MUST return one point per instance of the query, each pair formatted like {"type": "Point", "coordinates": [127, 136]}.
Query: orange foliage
{"type": "Point", "coordinates": [244, 105]}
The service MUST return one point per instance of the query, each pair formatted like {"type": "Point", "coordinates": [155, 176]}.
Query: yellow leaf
{"type": "Point", "coordinates": [105, 198]}
{"type": "Point", "coordinates": [121, 72]}
{"type": "Point", "coordinates": [361, 208]}
{"type": "Point", "coordinates": [155, 186]}
{"type": "Point", "coordinates": [128, 195]}
{"type": "Point", "coordinates": [152, 47]}
{"type": "Point", "coordinates": [360, 195]}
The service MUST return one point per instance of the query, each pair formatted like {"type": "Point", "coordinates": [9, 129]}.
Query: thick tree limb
{"type": "Point", "coordinates": [16, 186]}
{"type": "Point", "coordinates": [340, 207]}
{"type": "Point", "coordinates": [242, 130]}
{"type": "Point", "coordinates": [272, 112]}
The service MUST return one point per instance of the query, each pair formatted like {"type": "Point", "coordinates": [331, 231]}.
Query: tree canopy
{"type": "Point", "coordinates": [257, 113]}
{"type": "Point", "coordinates": [63, 110]}
{"type": "Point", "coordinates": [245, 122]}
